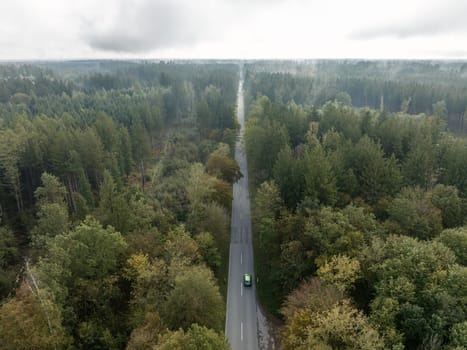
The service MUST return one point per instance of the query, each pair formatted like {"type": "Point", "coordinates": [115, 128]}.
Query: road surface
{"type": "Point", "coordinates": [241, 320]}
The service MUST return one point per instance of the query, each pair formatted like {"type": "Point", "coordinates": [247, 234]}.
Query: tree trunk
{"type": "Point", "coordinates": [17, 189]}
{"type": "Point", "coordinates": [71, 202]}
{"type": "Point", "coordinates": [142, 175]}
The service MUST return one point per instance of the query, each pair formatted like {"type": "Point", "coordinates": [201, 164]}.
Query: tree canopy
{"type": "Point", "coordinates": [358, 175]}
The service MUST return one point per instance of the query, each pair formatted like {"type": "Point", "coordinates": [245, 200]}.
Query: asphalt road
{"type": "Point", "coordinates": [241, 320]}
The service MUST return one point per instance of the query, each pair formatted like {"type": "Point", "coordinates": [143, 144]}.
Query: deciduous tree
{"type": "Point", "coordinates": [194, 299]}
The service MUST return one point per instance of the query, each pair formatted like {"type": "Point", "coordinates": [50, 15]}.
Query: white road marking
{"type": "Point", "coordinates": [241, 331]}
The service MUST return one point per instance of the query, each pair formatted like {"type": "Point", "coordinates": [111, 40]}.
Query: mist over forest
{"type": "Point", "coordinates": [116, 195]}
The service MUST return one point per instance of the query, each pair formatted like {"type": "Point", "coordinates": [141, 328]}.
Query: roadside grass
{"type": "Point", "coordinates": [222, 272]}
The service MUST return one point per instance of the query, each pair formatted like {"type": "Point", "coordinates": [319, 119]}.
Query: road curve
{"type": "Point", "coordinates": [241, 319]}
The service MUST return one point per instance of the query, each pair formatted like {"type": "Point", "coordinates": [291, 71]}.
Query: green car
{"type": "Point", "coordinates": [247, 280]}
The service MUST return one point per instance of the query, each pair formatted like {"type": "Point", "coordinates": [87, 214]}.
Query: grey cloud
{"type": "Point", "coordinates": [137, 26]}
{"type": "Point", "coordinates": [146, 25]}
{"type": "Point", "coordinates": [446, 19]}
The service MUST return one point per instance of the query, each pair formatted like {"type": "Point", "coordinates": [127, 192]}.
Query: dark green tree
{"type": "Point", "coordinates": [194, 299]}
{"type": "Point", "coordinates": [446, 199]}
{"type": "Point", "coordinates": [413, 214]}
{"type": "Point", "coordinates": [319, 177]}
{"type": "Point", "coordinates": [289, 176]}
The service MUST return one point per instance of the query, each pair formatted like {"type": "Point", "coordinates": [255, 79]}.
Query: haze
{"type": "Point", "coordinates": [62, 29]}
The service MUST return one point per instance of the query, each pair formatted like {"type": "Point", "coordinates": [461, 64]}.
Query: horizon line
{"type": "Point", "coordinates": [164, 59]}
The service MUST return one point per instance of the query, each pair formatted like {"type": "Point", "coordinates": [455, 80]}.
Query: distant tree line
{"type": "Point", "coordinates": [409, 87]}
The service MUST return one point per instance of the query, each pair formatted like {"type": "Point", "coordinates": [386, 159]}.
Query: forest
{"type": "Point", "coordinates": [359, 202]}
{"type": "Point", "coordinates": [115, 192]}
{"type": "Point", "coordinates": [430, 87]}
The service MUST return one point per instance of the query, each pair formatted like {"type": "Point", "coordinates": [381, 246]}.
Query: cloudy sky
{"type": "Point", "coordinates": [60, 29]}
